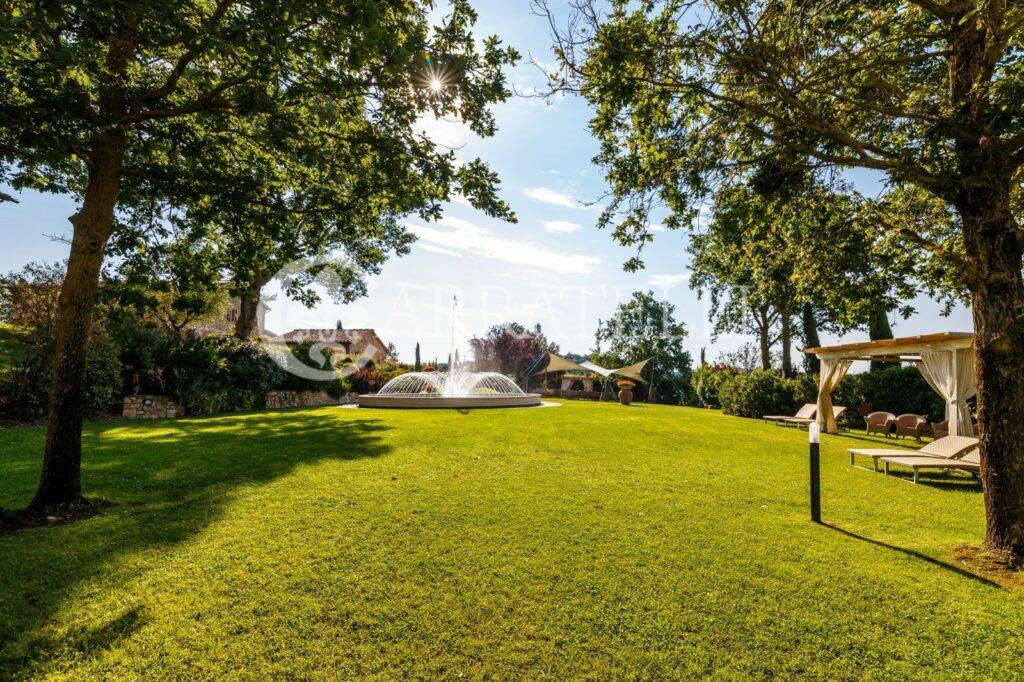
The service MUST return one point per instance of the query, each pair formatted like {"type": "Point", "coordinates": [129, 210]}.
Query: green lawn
{"type": "Point", "coordinates": [587, 541]}
{"type": "Point", "coordinates": [11, 345]}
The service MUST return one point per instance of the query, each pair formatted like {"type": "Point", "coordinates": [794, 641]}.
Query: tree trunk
{"type": "Point", "coordinates": [763, 331]}
{"type": "Point", "coordinates": [878, 329]}
{"type": "Point", "coordinates": [652, 396]}
{"type": "Point", "coordinates": [60, 482]}
{"type": "Point", "coordinates": [997, 293]}
{"type": "Point", "coordinates": [811, 340]}
{"type": "Point", "coordinates": [786, 339]}
{"type": "Point", "coordinates": [248, 315]}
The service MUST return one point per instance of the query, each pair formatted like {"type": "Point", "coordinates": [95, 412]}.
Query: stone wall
{"type": "Point", "coordinates": [279, 399]}
{"type": "Point", "coordinates": [151, 407]}
{"type": "Point", "coordinates": [165, 407]}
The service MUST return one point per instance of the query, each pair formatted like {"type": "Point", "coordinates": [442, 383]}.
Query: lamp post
{"type": "Point", "coordinates": [814, 438]}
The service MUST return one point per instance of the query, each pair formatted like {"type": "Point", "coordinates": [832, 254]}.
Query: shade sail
{"type": "Point", "coordinates": [559, 364]}
{"type": "Point", "coordinates": [597, 369]}
{"type": "Point", "coordinates": [633, 371]}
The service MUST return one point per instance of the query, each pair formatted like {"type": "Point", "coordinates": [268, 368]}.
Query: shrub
{"type": "Point", "coordinates": [707, 382]}
{"type": "Point", "coordinates": [895, 389]}
{"type": "Point", "coordinates": [805, 389]}
{"type": "Point", "coordinates": [221, 374]}
{"type": "Point", "coordinates": [25, 387]}
{"type": "Point", "coordinates": [324, 360]}
{"type": "Point", "coordinates": [368, 380]}
{"type": "Point", "coordinates": [103, 375]}
{"type": "Point", "coordinates": [755, 394]}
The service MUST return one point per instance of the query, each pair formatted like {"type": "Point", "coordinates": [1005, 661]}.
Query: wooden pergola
{"type": "Point", "coordinates": [946, 360]}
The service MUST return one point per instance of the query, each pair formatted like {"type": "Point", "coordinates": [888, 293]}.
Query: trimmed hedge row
{"type": "Point", "coordinates": [755, 394]}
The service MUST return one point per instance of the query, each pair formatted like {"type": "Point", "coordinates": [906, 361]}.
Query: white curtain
{"type": "Point", "coordinates": [832, 372]}
{"type": "Point", "coordinates": [951, 374]}
{"type": "Point", "coordinates": [566, 383]}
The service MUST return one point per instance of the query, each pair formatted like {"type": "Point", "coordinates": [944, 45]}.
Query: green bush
{"type": "Point", "coordinates": [895, 389]}
{"type": "Point", "coordinates": [221, 374]}
{"type": "Point", "coordinates": [103, 375]}
{"type": "Point", "coordinates": [25, 387]}
{"type": "Point", "coordinates": [325, 360]}
{"type": "Point", "coordinates": [805, 389]}
{"type": "Point", "coordinates": [707, 382]}
{"type": "Point", "coordinates": [755, 394]}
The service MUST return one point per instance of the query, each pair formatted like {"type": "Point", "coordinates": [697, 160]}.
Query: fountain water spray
{"type": "Point", "coordinates": [453, 388]}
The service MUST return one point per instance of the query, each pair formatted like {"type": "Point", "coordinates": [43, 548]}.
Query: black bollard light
{"type": "Point", "coordinates": [814, 437]}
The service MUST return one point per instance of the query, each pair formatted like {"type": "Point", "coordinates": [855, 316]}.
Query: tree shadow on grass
{"type": "Point", "coordinates": [879, 442]}
{"type": "Point", "coordinates": [917, 555]}
{"type": "Point", "coordinates": [949, 480]}
{"type": "Point", "coordinates": [170, 479]}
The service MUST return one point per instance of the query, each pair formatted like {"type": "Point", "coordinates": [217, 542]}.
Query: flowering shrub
{"type": "Point", "coordinates": [368, 380]}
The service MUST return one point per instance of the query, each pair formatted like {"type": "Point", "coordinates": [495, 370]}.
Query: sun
{"type": "Point", "coordinates": [436, 85]}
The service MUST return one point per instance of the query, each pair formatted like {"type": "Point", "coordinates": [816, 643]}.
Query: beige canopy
{"type": "Point", "coordinates": [633, 371]}
{"type": "Point", "coordinates": [559, 364]}
{"type": "Point", "coordinates": [946, 361]}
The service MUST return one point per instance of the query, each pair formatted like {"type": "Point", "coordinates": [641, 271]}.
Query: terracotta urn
{"type": "Point", "coordinates": [625, 396]}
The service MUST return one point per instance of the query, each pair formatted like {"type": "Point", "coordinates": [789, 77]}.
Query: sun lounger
{"type": "Point", "coordinates": [806, 412]}
{"type": "Point", "coordinates": [837, 414]}
{"type": "Point", "coordinates": [970, 462]}
{"type": "Point", "coordinates": [950, 447]}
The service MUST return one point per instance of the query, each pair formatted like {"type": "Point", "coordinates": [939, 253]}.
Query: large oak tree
{"type": "Point", "coordinates": [104, 100]}
{"type": "Point", "coordinates": [929, 93]}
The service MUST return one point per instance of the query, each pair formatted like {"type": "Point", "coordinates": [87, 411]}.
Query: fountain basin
{"type": "Point", "coordinates": [450, 390]}
{"type": "Point", "coordinates": [412, 402]}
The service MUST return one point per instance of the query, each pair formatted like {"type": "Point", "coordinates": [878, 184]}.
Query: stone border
{"type": "Point", "coordinates": [436, 403]}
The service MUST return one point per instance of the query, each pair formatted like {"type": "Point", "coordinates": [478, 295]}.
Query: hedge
{"type": "Point", "coordinates": [754, 394]}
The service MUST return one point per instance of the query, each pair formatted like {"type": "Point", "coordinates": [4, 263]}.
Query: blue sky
{"type": "Point", "coordinates": [554, 266]}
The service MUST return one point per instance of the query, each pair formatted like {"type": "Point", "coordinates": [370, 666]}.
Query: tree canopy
{"type": "Point", "coordinates": [644, 327]}
{"type": "Point", "coordinates": [928, 93]}
{"type": "Point", "coordinates": [117, 104]}
{"type": "Point", "coordinates": [510, 348]}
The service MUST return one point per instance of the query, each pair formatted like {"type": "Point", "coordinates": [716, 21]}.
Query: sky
{"type": "Point", "coordinates": [553, 267]}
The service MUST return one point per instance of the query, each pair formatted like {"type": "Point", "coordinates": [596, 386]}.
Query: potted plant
{"type": "Point", "coordinates": [625, 391]}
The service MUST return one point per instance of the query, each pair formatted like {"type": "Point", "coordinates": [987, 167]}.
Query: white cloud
{"type": "Point", "coordinates": [438, 249]}
{"type": "Point", "coordinates": [561, 226]}
{"type": "Point", "coordinates": [658, 228]}
{"type": "Point", "coordinates": [460, 199]}
{"type": "Point", "coordinates": [464, 236]}
{"type": "Point", "coordinates": [550, 196]}
{"type": "Point", "coordinates": [667, 281]}
{"type": "Point", "coordinates": [446, 132]}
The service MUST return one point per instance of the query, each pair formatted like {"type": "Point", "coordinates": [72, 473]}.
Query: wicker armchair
{"type": "Point", "coordinates": [910, 425]}
{"type": "Point", "coordinates": [940, 430]}
{"type": "Point", "coordinates": [879, 422]}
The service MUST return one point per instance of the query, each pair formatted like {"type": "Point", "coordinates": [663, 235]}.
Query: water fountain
{"type": "Point", "coordinates": [453, 389]}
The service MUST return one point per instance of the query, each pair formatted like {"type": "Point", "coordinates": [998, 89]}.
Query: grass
{"type": "Point", "coordinates": [587, 541]}
{"type": "Point", "coordinates": [12, 345]}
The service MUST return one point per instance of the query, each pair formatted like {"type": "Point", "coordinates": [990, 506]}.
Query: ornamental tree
{"type": "Point", "coordinates": [510, 348]}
